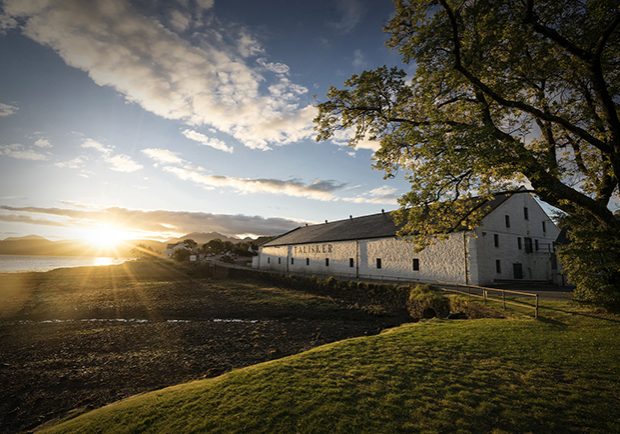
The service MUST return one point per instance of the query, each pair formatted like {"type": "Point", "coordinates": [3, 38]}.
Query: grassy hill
{"type": "Point", "coordinates": [558, 374]}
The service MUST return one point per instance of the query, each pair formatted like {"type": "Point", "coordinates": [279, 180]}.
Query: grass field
{"type": "Point", "coordinates": [560, 373]}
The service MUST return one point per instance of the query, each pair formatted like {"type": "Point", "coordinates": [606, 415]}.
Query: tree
{"type": "Point", "coordinates": [505, 92]}
{"type": "Point", "coordinates": [181, 255]}
{"type": "Point", "coordinates": [190, 243]}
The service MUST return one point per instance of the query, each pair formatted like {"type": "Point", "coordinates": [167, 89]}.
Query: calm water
{"type": "Point", "coordinates": [16, 263]}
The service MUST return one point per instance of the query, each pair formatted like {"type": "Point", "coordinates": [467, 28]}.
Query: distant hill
{"type": "Point", "coordinates": [36, 245]}
{"type": "Point", "coordinates": [204, 237]}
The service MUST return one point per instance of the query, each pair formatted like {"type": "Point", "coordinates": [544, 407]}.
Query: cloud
{"type": "Point", "coordinates": [21, 152]}
{"type": "Point", "coordinates": [201, 82]}
{"type": "Point", "coordinates": [342, 137]}
{"type": "Point", "coordinates": [7, 109]}
{"type": "Point", "coordinates": [207, 141]}
{"type": "Point", "coordinates": [278, 68]}
{"type": "Point", "coordinates": [76, 163]}
{"type": "Point", "coordinates": [351, 12]}
{"type": "Point", "coordinates": [154, 222]}
{"type": "Point", "coordinates": [184, 170]}
{"type": "Point", "coordinates": [18, 218]}
{"type": "Point", "coordinates": [380, 195]}
{"type": "Point", "coordinates": [247, 45]}
{"type": "Point", "coordinates": [204, 5]}
{"type": "Point", "coordinates": [116, 162]}
{"type": "Point", "coordinates": [6, 23]}
{"type": "Point", "coordinates": [162, 155]}
{"type": "Point", "coordinates": [359, 60]}
{"type": "Point", "coordinates": [42, 143]}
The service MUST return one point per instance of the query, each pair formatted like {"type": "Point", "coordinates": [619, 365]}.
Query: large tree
{"type": "Point", "coordinates": [504, 92]}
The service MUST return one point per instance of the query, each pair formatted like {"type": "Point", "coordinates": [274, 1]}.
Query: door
{"type": "Point", "coordinates": [517, 270]}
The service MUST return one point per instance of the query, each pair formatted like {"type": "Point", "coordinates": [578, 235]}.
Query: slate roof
{"type": "Point", "coordinates": [358, 228]}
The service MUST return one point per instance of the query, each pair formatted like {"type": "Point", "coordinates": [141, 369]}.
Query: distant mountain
{"type": "Point", "coordinates": [36, 245]}
{"type": "Point", "coordinates": [204, 237]}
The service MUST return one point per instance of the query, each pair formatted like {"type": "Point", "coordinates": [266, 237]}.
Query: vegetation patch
{"type": "Point", "coordinates": [472, 308]}
{"type": "Point", "coordinates": [425, 302]}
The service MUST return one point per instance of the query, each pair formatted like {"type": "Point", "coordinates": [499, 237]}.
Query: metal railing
{"type": "Point", "coordinates": [483, 293]}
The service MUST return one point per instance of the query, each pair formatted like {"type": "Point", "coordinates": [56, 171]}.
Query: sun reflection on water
{"type": "Point", "coordinates": [103, 260]}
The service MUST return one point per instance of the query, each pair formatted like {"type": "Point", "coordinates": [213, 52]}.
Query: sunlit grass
{"type": "Point", "coordinates": [557, 374]}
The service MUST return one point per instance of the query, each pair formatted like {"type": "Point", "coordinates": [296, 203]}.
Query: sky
{"type": "Point", "coordinates": [159, 118]}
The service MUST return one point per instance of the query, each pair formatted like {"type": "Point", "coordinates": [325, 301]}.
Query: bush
{"type": "Point", "coordinates": [426, 302]}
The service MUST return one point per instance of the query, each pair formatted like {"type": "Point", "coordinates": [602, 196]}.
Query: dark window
{"type": "Point", "coordinates": [292, 261]}
{"type": "Point", "coordinates": [526, 215]}
{"type": "Point", "coordinates": [378, 262]}
{"type": "Point", "coordinates": [528, 245]}
{"type": "Point", "coordinates": [307, 261]}
{"type": "Point", "coordinates": [536, 245]}
{"type": "Point", "coordinates": [351, 262]}
{"type": "Point", "coordinates": [507, 221]}
{"type": "Point", "coordinates": [544, 227]}
{"type": "Point", "coordinates": [279, 260]}
{"type": "Point", "coordinates": [519, 242]}
{"type": "Point", "coordinates": [269, 260]}
{"type": "Point", "coordinates": [498, 266]}
{"type": "Point", "coordinates": [327, 262]}
{"type": "Point", "coordinates": [416, 264]}
{"type": "Point", "coordinates": [496, 240]}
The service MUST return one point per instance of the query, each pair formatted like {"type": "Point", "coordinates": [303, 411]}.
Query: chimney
{"type": "Point", "coordinates": [325, 221]}
{"type": "Point", "coordinates": [382, 211]}
{"type": "Point", "coordinates": [306, 224]}
{"type": "Point", "coordinates": [350, 217]}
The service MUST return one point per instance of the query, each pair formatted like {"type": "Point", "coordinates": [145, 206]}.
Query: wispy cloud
{"type": "Point", "coordinates": [184, 170]}
{"type": "Point", "coordinates": [21, 152]}
{"type": "Point", "coordinates": [351, 13]}
{"type": "Point", "coordinates": [201, 82]}
{"type": "Point", "coordinates": [42, 142]}
{"type": "Point", "coordinates": [207, 141]}
{"type": "Point", "coordinates": [160, 223]}
{"type": "Point", "coordinates": [163, 155]}
{"type": "Point", "coordinates": [275, 67]}
{"type": "Point", "coordinates": [380, 195]}
{"type": "Point", "coordinates": [359, 60]}
{"type": "Point", "coordinates": [116, 162]}
{"type": "Point", "coordinates": [7, 109]}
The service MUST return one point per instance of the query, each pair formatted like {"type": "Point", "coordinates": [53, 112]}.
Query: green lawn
{"type": "Point", "coordinates": [557, 374]}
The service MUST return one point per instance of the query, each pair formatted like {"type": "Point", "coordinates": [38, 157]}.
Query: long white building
{"type": "Point", "coordinates": [513, 242]}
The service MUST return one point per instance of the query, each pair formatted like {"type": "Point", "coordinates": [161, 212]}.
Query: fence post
{"type": "Point", "coordinates": [536, 311]}
{"type": "Point", "coordinates": [504, 298]}
{"type": "Point", "coordinates": [484, 295]}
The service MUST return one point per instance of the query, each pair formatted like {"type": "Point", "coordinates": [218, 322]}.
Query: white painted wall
{"type": "Point", "coordinates": [536, 265]}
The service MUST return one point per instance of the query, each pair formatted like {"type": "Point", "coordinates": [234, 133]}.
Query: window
{"type": "Point", "coordinates": [507, 217]}
{"type": "Point", "coordinates": [279, 260]}
{"type": "Point", "coordinates": [416, 264]}
{"type": "Point", "coordinates": [378, 262]}
{"type": "Point", "coordinates": [544, 227]}
{"type": "Point", "coordinates": [526, 215]}
{"type": "Point", "coordinates": [536, 245]}
{"type": "Point", "coordinates": [269, 260]}
{"type": "Point", "coordinates": [292, 261]}
{"type": "Point", "coordinates": [498, 266]}
{"type": "Point", "coordinates": [307, 261]}
{"type": "Point", "coordinates": [519, 242]}
{"type": "Point", "coordinates": [351, 262]}
{"type": "Point", "coordinates": [528, 245]}
{"type": "Point", "coordinates": [327, 262]}
{"type": "Point", "coordinates": [496, 240]}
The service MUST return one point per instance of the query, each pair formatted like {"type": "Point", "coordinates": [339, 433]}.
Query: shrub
{"type": "Point", "coordinates": [426, 302]}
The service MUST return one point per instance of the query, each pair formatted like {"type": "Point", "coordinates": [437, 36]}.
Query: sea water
{"type": "Point", "coordinates": [21, 263]}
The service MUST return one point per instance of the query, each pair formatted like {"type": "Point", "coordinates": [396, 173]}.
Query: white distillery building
{"type": "Point", "coordinates": [513, 242]}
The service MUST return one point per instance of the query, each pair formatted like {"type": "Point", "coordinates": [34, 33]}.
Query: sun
{"type": "Point", "coordinates": [105, 237]}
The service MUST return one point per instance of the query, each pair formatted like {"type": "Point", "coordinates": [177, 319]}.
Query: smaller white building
{"type": "Point", "coordinates": [513, 242]}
